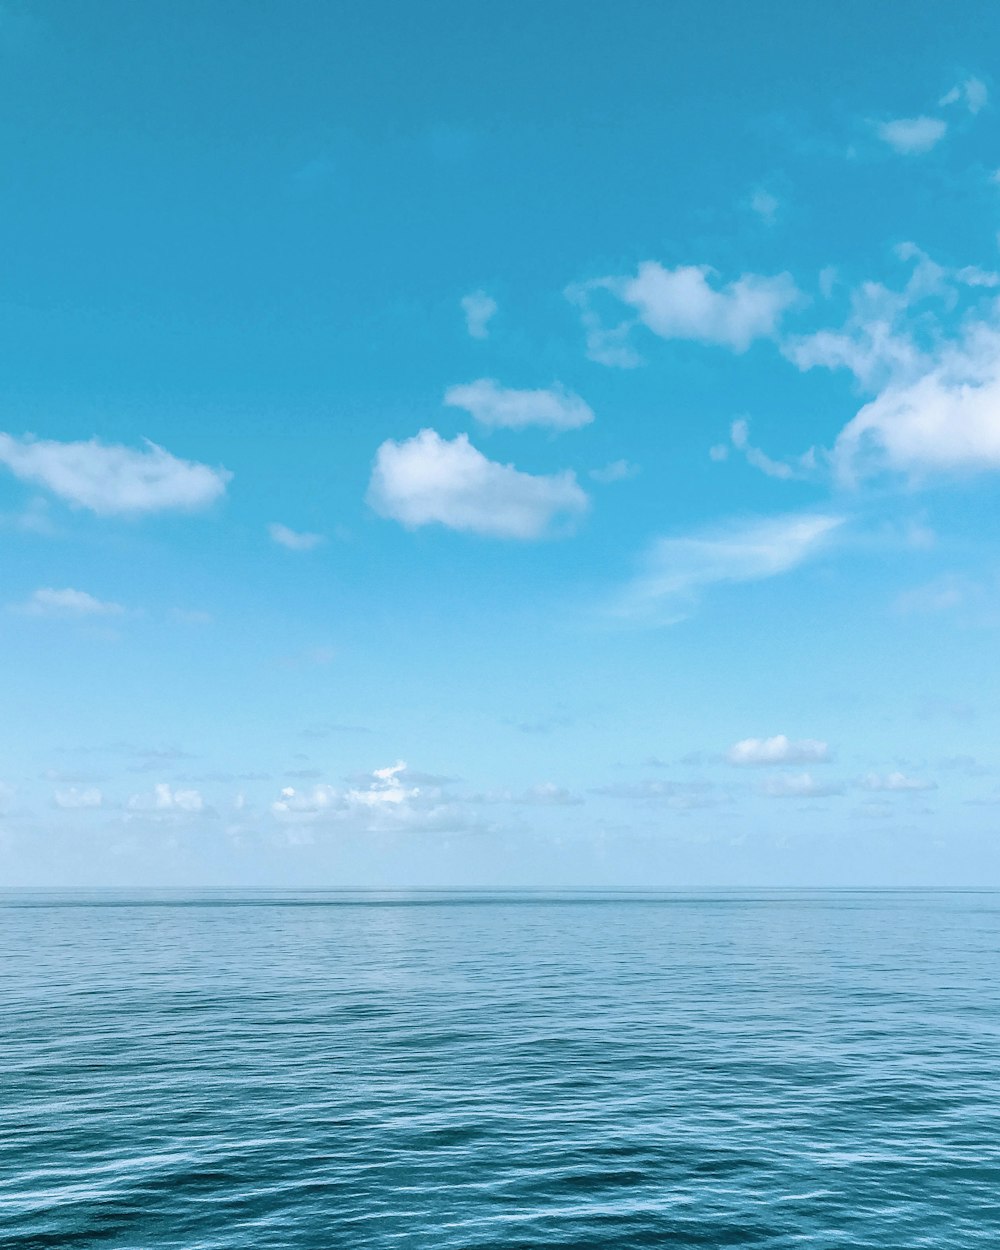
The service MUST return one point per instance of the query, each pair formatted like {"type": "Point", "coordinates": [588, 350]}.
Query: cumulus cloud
{"type": "Point", "coordinates": [76, 797]}
{"type": "Point", "coordinates": [292, 539]}
{"type": "Point", "coordinates": [677, 570]}
{"type": "Point", "coordinates": [110, 479]}
{"type": "Point", "coordinates": [385, 801]}
{"type": "Point", "coordinates": [429, 480]}
{"type": "Point", "coordinates": [944, 420]}
{"type": "Point", "coordinates": [165, 800]}
{"type": "Point", "coordinates": [479, 309]}
{"type": "Point", "coordinates": [896, 782]}
{"type": "Point", "coordinates": [777, 750]}
{"type": "Point", "coordinates": [500, 407]}
{"type": "Point", "coordinates": [912, 136]}
{"type": "Point", "coordinates": [685, 303]}
{"type": "Point", "coordinates": [935, 391]}
{"type": "Point", "coordinates": [67, 603]}
{"type": "Point", "coordinates": [799, 786]}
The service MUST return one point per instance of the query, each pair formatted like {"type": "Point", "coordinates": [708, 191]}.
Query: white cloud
{"type": "Point", "coordinates": [799, 786]}
{"type": "Point", "coordinates": [495, 406]}
{"type": "Point", "coordinates": [67, 603]}
{"type": "Point", "coordinates": [973, 93]}
{"type": "Point", "coordinates": [799, 467]}
{"type": "Point", "coordinates": [765, 205]}
{"type": "Point", "coordinates": [479, 309]}
{"type": "Point", "coordinates": [166, 800]}
{"type": "Point", "coordinates": [877, 342]}
{"type": "Point", "coordinates": [757, 752]}
{"type": "Point", "coordinates": [936, 392]}
{"type": "Point", "coordinates": [110, 479]}
{"type": "Point", "coordinates": [384, 802]}
{"type": "Point", "coordinates": [683, 303]}
{"type": "Point", "coordinates": [677, 570]}
{"type": "Point", "coordinates": [944, 420]}
{"type": "Point", "coordinates": [89, 797]}
{"type": "Point", "coordinates": [680, 796]}
{"type": "Point", "coordinates": [911, 136]}
{"type": "Point", "coordinates": [431, 480]}
{"type": "Point", "coordinates": [292, 539]}
{"type": "Point", "coordinates": [896, 783]}
{"type": "Point", "coordinates": [545, 794]}
{"type": "Point", "coordinates": [616, 471]}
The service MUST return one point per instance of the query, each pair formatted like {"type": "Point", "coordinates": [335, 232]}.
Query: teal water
{"type": "Point", "coordinates": [308, 1070]}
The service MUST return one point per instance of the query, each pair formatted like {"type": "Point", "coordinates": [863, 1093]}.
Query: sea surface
{"type": "Point", "coordinates": [769, 1069]}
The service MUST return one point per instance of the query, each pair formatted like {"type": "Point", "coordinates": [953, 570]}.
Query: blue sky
{"type": "Point", "coordinates": [499, 445]}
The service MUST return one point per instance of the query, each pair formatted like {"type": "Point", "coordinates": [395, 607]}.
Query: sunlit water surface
{"type": "Point", "coordinates": [310, 1070]}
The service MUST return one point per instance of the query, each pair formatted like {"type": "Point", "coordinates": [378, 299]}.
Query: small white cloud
{"type": "Point", "coordinates": [765, 205]}
{"type": "Point", "coordinates": [431, 480]}
{"type": "Point", "coordinates": [110, 479]}
{"type": "Point", "coordinates": [88, 797]}
{"type": "Point", "coordinates": [682, 303]}
{"type": "Point", "coordinates": [896, 783]}
{"type": "Point", "coordinates": [616, 471]}
{"type": "Point", "coordinates": [66, 603]}
{"type": "Point", "coordinates": [787, 470]}
{"type": "Point", "coordinates": [911, 136]}
{"type": "Point", "coordinates": [973, 93]}
{"type": "Point", "coordinates": [166, 800]}
{"type": "Point", "coordinates": [678, 570]}
{"type": "Point", "coordinates": [293, 539]}
{"type": "Point", "coordinates": [496, 406]}
{"type": "Point", "coordinates": [799, 786]}
{"type": "Point", "coordinates": [758, 752]}
{"type": "Point", "coordinates": [385, 801]}
{"type": "Point", "coordinates": [479, 309]}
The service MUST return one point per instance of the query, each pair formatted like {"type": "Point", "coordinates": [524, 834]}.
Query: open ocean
{"type": "Point", "coordinates": [765, 1069]}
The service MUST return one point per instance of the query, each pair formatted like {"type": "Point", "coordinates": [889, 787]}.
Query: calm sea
{"type": "Point", "coordinates": [243, 1071]}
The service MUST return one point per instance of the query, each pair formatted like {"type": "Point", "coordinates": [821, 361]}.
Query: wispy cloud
{"type": "Point", "coordinates": [757, 752]}
{"type": "Point", "coordinates": [479, 309]}
{"type": "Point", "coordinates": [896, 783]}
{"type": "Point", "coordinates": [78, 797]}
{"type": "Point", "coordinates": [294, 540]}
{"type": "Point", "coordinates": [912, 136]}
{"type": "Point", "coordinates": [492, 405]}
{"type": "Point", "coordinates": [110, 479]}
{"type": "Point", "coordinates": [677, 571]}
{"type": "Point", "coordinates": [66, 603]}
{"type": "Point", "coordinates": [971, 92]}
{"type": "Point", "coordinates": [799, 786]}
{"type": "Point", "coordinates": [164, 800]}
{"type": "Point", "coordinates": [616, 471]}
{"type": "Point", "coordinates": [794, 468]}
{"type": "Point", "coordinates": [429, 480]}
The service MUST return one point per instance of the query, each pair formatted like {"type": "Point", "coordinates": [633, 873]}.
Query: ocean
{"type": "Point", "coordinates": [227, 1071]}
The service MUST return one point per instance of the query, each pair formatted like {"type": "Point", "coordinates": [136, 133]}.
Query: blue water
{"type": "Point", "coordinates": [309, 1070]}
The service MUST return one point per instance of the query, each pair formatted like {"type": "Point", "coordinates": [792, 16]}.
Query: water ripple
{"type": "Point", "coordinates": [214, 1072]}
